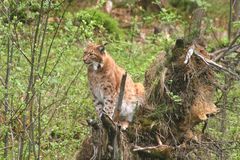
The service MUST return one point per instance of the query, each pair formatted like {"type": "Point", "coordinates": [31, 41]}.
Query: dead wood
{"type": "Point", "coordinates": [120, 97]}
{"type": "Point", "coordinates": [229, 49]}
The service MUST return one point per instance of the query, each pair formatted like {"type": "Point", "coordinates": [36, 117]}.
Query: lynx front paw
{"type": "Point", "coordinates": [124, 125]}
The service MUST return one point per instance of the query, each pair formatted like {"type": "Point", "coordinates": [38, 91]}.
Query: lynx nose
{"type": "Point", "coordinates": [84, 59]}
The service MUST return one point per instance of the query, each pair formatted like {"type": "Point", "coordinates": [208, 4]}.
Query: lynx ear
{"type": "Point", "coordinates": [88, 43]}
{"type": "Point", "coordinates": [102, 48]}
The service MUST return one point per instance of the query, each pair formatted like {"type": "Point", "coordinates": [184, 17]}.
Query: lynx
{"type": "Point", "coordinates": [104, 77]}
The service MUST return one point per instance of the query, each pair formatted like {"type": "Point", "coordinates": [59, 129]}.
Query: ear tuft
{"type": "Point", "coordinates": [106, 43]}
{"type": "Point", "coordinates": [101, 48]}
{"type": "Point", "coordinates": [88, 43]}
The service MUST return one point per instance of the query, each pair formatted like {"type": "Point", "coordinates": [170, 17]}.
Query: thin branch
{"type": "Point", "coordinates": [138, 148]}
{"type": "Point", "coordinates": [215, 37]}
{"type": "Point", "coordinates": [39, 126]}
{"type": "Point", "coordinates": [6, 95]}
{"type": "Point", "coordinates": [217, 58]}
{"type": "Point", "coordinates": [37, 154]}
{"type": "Point", "coordinates": [156, 151]}
{"type": "Point", "coordinates": [230, 21]}
{"type": "Point", "coordinates": [120, 97]}
{"type": "Point", "coordinates": [32, 81]}
{"type": "Point", "coordinates": [19, 111]}
{"type": "Point", "coordinates": [30, 88]}
{"type": "Point", "coordinates": [234, 48]}
{"type": "Point", "coordinates": [214, 64]}
{"type": "Point", "coordinates": [64, 95]}
{"type": "Point", "coordinates": [209, 62]}
{"type": "Point", "coordinates": [61, 53]}
{"type": "Point", "coordinates": [2, 81]}
{"type": "Point", "coordinates": [43, 38]}
{"type": "Point", "coordinates": [22, 52]}
{"type": "Point", "coordinates": [54, 36]}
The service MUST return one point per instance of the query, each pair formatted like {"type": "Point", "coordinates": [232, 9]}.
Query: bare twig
{"type": "Point", "coordinates": [39, 95]}
{"type": "Point", "coordinates": [13, 141]}
{"type": "Point", "coordinates": [219, 86]}
{"type": "Point", "coordinates": [208, 62]}
{"type": "Point", "coordinates": [217, 58]}
{"type": "Point", "coordinates": [61, 53]}
{"type": "Point", "coordinates": [43, 37]}
{"type": "Point", "coordinates": [230, 21]}
{"type": "Point", "coordinates": [53, 38]}
{"type": "Point", "coordinates": [6, 96]}
{"type": "Point", "coordinates": [234, 48]}
{"type": "Point", "coordinates": [22, 52]}
{"type": "Point", "coordinates": [120, 97]}
{"type": "Point", "coordinates": [64, 96]}
{"type": "Point", "coordinates": [2, 81]}
{"type": "Point", "coordinates": [214, 64]}
{"type": "Point", "coordinates": [32, 81]}
{"type": "Point", "coordinates": [205, 126]}
{"type": "Point", "coordinates": [161, 148]}
{"type": "Point", "coordinates": [39, 125]}
{"type": "Point", "coordinates": [215, 37]}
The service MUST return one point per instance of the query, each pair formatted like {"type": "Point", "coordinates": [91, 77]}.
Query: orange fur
{"type": "Point", "coordinates": [104, 77]}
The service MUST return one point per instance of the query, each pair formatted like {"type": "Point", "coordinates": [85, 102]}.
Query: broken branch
{"type": "Point", "coordinates": [214, 64]}
{"type": "Point", "coordinates": [232, 49]}
{"type": "Point", "coordinates": [159, 147]}
{"type": "Point", "coordinates": [122, 89]}
{"type": "Point", "coordinates": [229, 49]}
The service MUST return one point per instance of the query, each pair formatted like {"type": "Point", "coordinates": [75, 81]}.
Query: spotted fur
{"type": "Point", "coordinates": [104, 77]}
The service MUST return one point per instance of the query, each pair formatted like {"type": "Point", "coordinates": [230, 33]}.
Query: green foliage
{"type": "Point", "coordinates": [91, 20]}
{"type": "Point", "coordinates": [188, 6]}
{"type": "Point", "coordinates": [134, 58]}
{"type": "Point", "coordinates": [202, 3]}
{"type": "Point", "coordinates": [168, 16]}
{"type": "Point", "coordinates": [27, 11]}
{"type": "Point", "coordinates": [236, 24]}
{"type": "Point", "coordinates": [175, 98]}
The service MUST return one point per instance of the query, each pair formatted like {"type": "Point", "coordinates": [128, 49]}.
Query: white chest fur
{"type": "Point", "coordinates": [97, 65]}
{"type": "Point", "coordinates": [98, 92]}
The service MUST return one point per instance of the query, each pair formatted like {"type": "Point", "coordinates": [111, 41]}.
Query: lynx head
{"type": "Point", "coordinates": [94, 55]}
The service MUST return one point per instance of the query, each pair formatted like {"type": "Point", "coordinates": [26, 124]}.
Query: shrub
{"type": "Point", "coordinates": [96, 20]}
